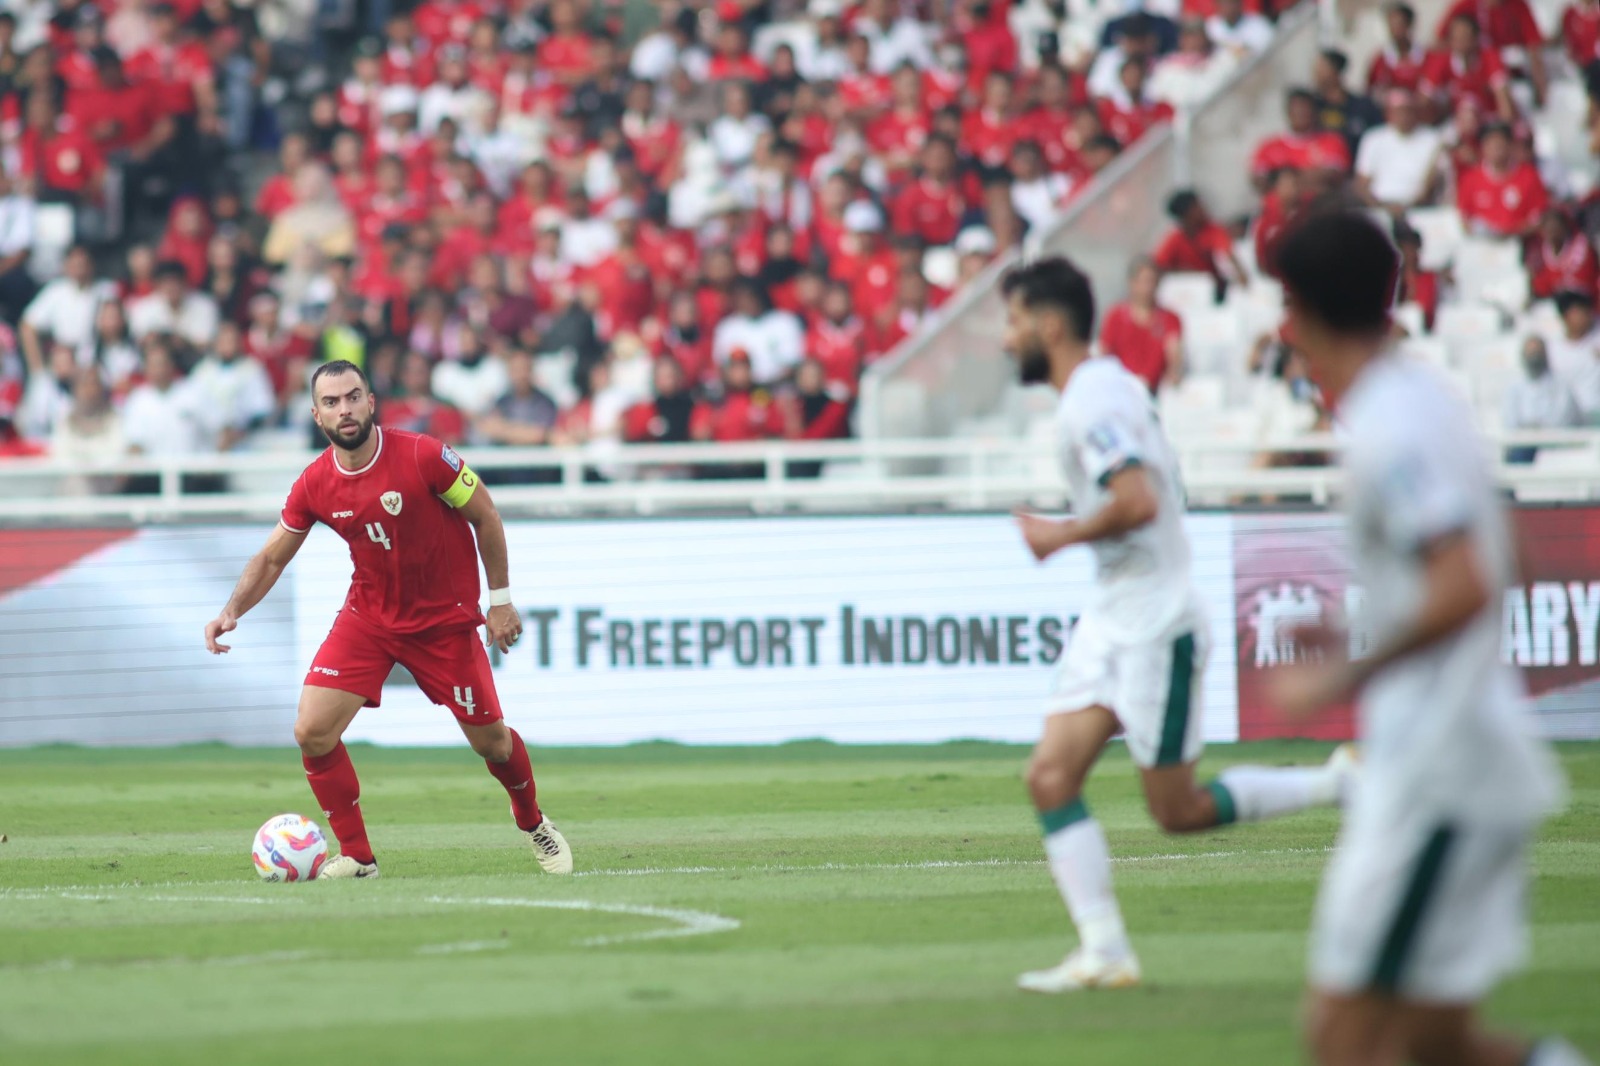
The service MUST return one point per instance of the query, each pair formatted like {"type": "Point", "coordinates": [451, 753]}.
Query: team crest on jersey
{"type": "Point", "coordinates": [449, 455]}
{"type": "Point", "coordinates": [391, 502]}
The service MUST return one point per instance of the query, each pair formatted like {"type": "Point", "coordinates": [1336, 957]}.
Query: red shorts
{"type": "Point", "coordinates": [450, 666]}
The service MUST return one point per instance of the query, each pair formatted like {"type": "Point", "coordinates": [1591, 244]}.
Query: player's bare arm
{"type": "Point", "coordinates": [1133, 504]}
{"type": "Point", "coordinates": [260, 574]}
{"type": "Point", "coordinates": [503, 622]}
{"type": "Point", "coordinates": [1456, 591]}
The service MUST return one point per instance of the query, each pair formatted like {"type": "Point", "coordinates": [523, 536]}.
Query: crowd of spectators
{"type": "Point", "coordinates": [1445, 116]}
{"type": "Point", "coordinates": [524, 227]}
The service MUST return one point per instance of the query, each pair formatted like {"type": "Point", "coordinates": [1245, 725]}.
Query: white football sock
{"type": "Point", "coordinates": [1555, 1051]}
{"type": "Point", "coordinates": [1262, 792]}
{"type": "Point", "coordinates": [1080, 862]}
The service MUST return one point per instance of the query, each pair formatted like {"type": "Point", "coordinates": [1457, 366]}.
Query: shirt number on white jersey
{"type": "Point", "coordinates": [375, 531]}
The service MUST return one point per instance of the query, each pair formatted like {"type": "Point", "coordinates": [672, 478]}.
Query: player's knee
{"type": "Point", "coordinates": [494, 749]}
{"type": "Point", "coordinates": [314, 740]}
{"type": "Point", "coordinates": [1180, 816]}
{"type": "Point", "coordinates": [1050, 784]}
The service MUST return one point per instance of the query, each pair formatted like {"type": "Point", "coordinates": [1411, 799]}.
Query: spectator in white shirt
{"type": "Point", "coordinates": [64, 309]}
{"type": "Point", "coordinates": [735, 134]}
{"type": "Point", "coordinates": [91, 433]}
{"type": "Point", "coordinates": [48, 396]}
{"type": "Point", "coordinates": [585, 240]}
{"type": "Point", "coordinates": [164, 416]}
{"type": "Point", "coordinates": [773, 340]}
{"type": "Point", "coordinates": [1233, 29]}
{"type": "Point", "coordinates": [1136, 39]}
{"type": "Point", "coordinates": [1187, 76]}
{"type": "Point", "coordinates": [820, 47]}
{"type": "Point", "coordinates": [451, 95]}
{"type": "Point", "coordinates": [1397, 164]}
{"type": "Point", "coordinates": [17, 211]}
{"type": "Point", "coordinates": [669, 47]}
{"type": "Point", "coordinates": [174, 308]}
{"type": "Point", "coordinates": [1537, 400]}
{"type": "Point", "coordinates": [1036, 193]}
{"type": "Point", "coordinates": [895, 39]}
{"type": "Point", "coordinates": [474, 381]}
{"type": "Point", "coordinates": [1575, 355]}
{"type": "Point", "coordinates": [235, 390]}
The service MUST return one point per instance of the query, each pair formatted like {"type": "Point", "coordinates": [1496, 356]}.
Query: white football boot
{"type": "Point", "coordinates": [1084, 969]}
{"type": "Point", "coordinates": [550, 848]}
{"type": "Point", "coordinates": [1344, 766]}
{"type": "Point", "coordinates": [344, 866]}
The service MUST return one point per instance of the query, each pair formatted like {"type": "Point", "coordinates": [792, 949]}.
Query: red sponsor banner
{"type": "Point", "coordinates": [1292, 570]}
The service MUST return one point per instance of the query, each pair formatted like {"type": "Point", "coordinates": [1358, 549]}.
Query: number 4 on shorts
{"type": "Point", "coordinates": [375, 531]}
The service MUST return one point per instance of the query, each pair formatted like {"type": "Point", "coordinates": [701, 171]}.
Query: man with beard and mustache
{"type": "Point", "coordinates": [1137, 657]}
{"type": "Point", "coordinates": [408, 506]}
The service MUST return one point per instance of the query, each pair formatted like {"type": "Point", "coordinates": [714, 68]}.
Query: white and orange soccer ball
{"type": "Point", "coordinates": [289, 848]}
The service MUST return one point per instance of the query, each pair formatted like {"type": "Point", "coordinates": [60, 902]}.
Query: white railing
{"type": "Point", "coordinates": [856, 476]}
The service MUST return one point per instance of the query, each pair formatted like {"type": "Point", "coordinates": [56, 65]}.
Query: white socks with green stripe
{"type": "Point", "coordinates": [1257, 793]}
{"type": "Point", "coordinates": [1080, 862]}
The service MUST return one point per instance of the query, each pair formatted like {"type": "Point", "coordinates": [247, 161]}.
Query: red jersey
{"type": "Point", "coordinates": [443, 22]}
{"type": "Point", "coordinates": [1056, 137]}
{"type": "Point", "coordinates": [565, 55]}
{"type": "Point", "coordinates": [174, 70]}
{"type": "Point", "coordinates": [1310, 151]}
{"type": "Point", "coordinates": [735, 68]}
{"type": "Point", "coordinates": [839, 347]}
{"type": "Point", "coordinates": [1392, 69]}
{"type": "Point", "coordinates": [1502, 205]}
{"type": "Point", "coordinates": [416, 564]}
{"type": "Point", "coordinates": [1181, 254]}
{"type": "Point", "coordinates": [1140, 346]}
{"type": "Point", "coordinates": [276, 196]}
{"type": "Point", "coordinates": [115, 118]}
{"type": "Point", "coordinates": [1448, 76]}
{"type": "Point", "coordinates": [1580, 32]}
{"type": "Point", "coordinates": [931, 210]}
{"type": "Point", "coordinates": [1505, 24]}
{"type": "Point", "coordinates": [1571, 268]}
{"type": "Point", "coordinates": [989, 136]}
{"type": "Point", "coordinates": [741, 416]}
{"type": "Point", "coordinates": [899, 131]}
{"type": "Point", "coordinates": [1128, 124]}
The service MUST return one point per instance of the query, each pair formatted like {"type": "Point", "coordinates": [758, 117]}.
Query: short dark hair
{"type": "Point", "coordinates": [1300, 92]}
{"type": "Point", "coordinates": [1336, 59]}
{"type": "Point", "coordinates": [1054, 283]}
{"type": "Point", "coordinates": [338, 366]}
{"type": "Point", "coordinates": [1341, 267]}
{"type": "Point", "coordinates": [1567, 299]}
{"type": "Point", "coordinates": [170, 268]}
{"type": "Point", "coordinates": [1405, 11]}
{"type": "Point", "coordinates": [1181, 203]}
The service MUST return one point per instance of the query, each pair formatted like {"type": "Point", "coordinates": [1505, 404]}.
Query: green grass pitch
{"type": "Point", "coordinates": [885, 899]}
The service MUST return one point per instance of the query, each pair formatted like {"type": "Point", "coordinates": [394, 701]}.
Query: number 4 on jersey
{"type": "Point", "coordinates": [375, 531]}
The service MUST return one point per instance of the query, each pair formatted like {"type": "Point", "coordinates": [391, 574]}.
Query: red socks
{"type": "Point", "coordinates": [333, 782]}
{"type": "Point", "coordinates": [516, 774]}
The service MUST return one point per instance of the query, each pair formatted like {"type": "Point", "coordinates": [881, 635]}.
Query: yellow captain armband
{"type": "Point", "coordinates": [461, 491]}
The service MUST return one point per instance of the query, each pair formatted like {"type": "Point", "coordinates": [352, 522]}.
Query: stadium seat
{"type": "Point", "coordinates": [1213, 339]}
{"type": "Point", "coordinates": [1179, 293]}
{"type": "Point", "coordinates": [1468, 321]}
{"type": "Point", "coordinates": [54, 230]}
{"type": "Point", "coordinates": [1441, 232]}
{"type": "Point", "coordinates": [1430, 349]}
{"type": "Point", "coordinates": [1412, 318]}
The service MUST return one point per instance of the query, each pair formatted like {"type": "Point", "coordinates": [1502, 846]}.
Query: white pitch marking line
{"type": "Point", "coordinates": [690, 923]}
{"type": "Point", "coordinates": [464, 946]}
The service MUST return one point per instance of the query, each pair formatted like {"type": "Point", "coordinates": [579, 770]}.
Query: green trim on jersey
{"type": "Point", "coordinates": [1180, 686]}
{"type": "Point", "coordinates": [1402, 935]}
{"type": "Point", "coordinates": [1064, 816]}
{"type": "Point", "coordinates": [1127, 464]}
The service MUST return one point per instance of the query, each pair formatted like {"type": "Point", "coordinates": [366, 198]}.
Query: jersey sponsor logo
{"type": "Point", "coordinates": [344, 514]}
{"type": "Point", "coordinates": [325, 670]}
{"type": "Point", "coordinates": [391, 502]}
{"type": "Point", "coordinates": [449, 456]}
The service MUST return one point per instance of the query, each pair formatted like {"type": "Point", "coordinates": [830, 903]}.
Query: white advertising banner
{"type": "Point", "coordinates": [709, 631]}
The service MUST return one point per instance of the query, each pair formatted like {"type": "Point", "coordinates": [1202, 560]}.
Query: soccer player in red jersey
{"type": "Point", "coordinates": [407, 505]}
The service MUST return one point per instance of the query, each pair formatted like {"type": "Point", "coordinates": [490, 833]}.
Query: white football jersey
{"type": "Point", "coordinates": [1106, 421]}
{"type": "Point", "coordinates": [1447, 730]}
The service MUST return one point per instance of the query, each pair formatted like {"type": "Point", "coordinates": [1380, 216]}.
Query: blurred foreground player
{"type": "Point", "coordinates": [1422, 907]}
{"type": "Point", "coordinates": [1136, 660]}
{"type": "Point", "coordinates": [407, 505]}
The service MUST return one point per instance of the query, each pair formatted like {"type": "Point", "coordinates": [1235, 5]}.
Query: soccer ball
{"type": "Point", "coordinates": [289, 848]}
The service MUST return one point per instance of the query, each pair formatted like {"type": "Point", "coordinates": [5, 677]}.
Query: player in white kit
{"type": "Point", "coordinates": [1422, 907]}
{"type": "Point", "coordinates": [1137, 656]}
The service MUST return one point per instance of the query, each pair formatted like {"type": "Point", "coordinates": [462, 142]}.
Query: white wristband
{"type": "Point", "coordinates": [499, 597]}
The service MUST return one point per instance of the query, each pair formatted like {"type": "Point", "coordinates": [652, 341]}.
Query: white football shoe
{"type": "Point", "coordinates": [344, 866]}
{"type": "Point", "coordinates": [1084, 969]}
{"type": "Point", "coordinates": [550, 848]}
{"type": "Point", "coordinates": [1344, 766]}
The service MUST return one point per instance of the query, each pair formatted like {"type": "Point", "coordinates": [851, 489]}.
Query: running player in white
{"type": "Point", "coordinates": [1137, 655]}
{"type": "Point", "coordinates": [1422, 907]}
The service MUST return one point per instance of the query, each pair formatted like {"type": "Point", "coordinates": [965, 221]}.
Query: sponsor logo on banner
{"type": "Point", "coordinates": [1294, 570]}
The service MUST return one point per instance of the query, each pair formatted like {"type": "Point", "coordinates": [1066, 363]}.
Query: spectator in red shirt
{"type": "Point", "coordinates": [1130, 112]}
{"type": "Point", "coordinates": [407, 59]}
{"type": "Point", "coordinates": [68, 164]}
{"type": "Point", "coordinates": [864, 262]}
{"type": "Point", "coordinates": [731, 60]}
{"type": "Point", "coordinates": [899, 134]}
{"type": "Point", "coordinates": [1580, 32]}
{"type": "Point", "coordinates": [187, 234]}
{"type": "Point", "coordinates": [989, 130]}
{"type": "Point", "coordinates": [285, 353]}
{"type": "Point", "coordinates": [1198, 245]}
{"type": "Point", "coordinates": [686, 341]}
{"type": "Point", "coordinates": [1501, 197]}
{"type": "Point", "coordinates": [565, 54]}
{"type": "Point", "coordinates": [1146, 338]}
{"type": "Point", "coordinates": [667, 417]}
{"type": "Point", "coordinates": [1417, 286]}
{"type": "Point", "coordinates": [741, 412]}
{"type": "Point", "coordinates": [1465, 70]}
{"type": "Point", "coordinates": [1561, 258]}
{"type": "Point", "coordinates": [933, 206]}
{"type": "Point", "coordinates": [1279, 206]}
{"type": "Point", "coordinates": [78, 68]}
{"type": "Point", "coordinates": [179, 65]}
{"type": "Point", "coordinates": [1398, 65]}
{"type": "Point", "coordinates": [814, 410]}
{"type": "Point", "coordinates": [1306, 145]}
{"type": "Point", "coordinates": [277, 192]}
{"type": "Point", "coordinates": [416, 409]}
{"type": "Point", "coordinates": [837, 340]}
{"type": "Point", "coordinates": [1508, 27]}
{"type": "Point", "coordinates": [1061, 98]}
{"type": "Point", "coordinates": [443, 21]}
